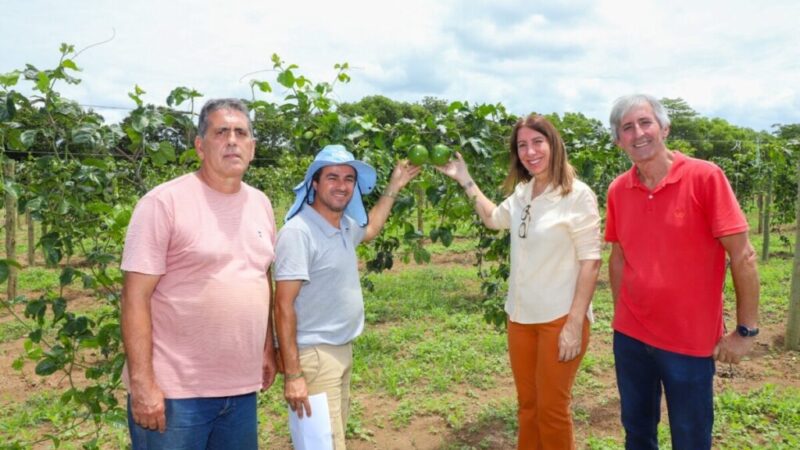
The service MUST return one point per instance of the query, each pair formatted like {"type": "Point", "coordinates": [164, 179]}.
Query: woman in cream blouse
{"type": "Point", "coordinates": [555, 258]}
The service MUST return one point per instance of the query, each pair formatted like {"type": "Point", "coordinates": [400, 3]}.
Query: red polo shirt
{"type": "Point", "coordinates": [671, 293]}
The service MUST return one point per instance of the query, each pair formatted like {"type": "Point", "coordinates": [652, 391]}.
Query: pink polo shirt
{"type": "Point", "coordinates": [210, 307]}
{"type": "Point", "coordinates": [672, 280]}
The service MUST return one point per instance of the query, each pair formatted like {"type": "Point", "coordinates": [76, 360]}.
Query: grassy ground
{"type": "Point", "coordinates": [431, 374]}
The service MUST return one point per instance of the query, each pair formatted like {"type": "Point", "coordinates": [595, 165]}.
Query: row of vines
{"type": "Point", "coordinates": [77, 177]}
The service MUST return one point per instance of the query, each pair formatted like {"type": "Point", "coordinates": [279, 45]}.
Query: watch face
{"type": "Point", "coordinates": [746, 332]}
{"type": "Point", "coordinates": [742, 331]}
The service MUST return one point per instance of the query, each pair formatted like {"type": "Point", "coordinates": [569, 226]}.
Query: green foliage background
{"type": "Point", "coordinates": [80, 177]}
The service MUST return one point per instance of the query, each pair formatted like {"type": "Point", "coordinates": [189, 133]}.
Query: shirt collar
{"type": "Point", "coordinates": [673, 175]}
{"type": "Point", "coordinates": [524, 192]}
{"type": "Point", "coordinates": [327, 229]}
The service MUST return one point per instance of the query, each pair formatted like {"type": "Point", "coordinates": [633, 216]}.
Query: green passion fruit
{"type": "Point", "coordinates": [418, 155]}
{"type": "Point", "coordinates": [440, 154]}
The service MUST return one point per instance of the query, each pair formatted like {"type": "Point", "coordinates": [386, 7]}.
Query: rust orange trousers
{"type": "Point", "coordinates": [544, 384]}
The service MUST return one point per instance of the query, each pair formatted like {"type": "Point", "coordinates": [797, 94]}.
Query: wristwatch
{"type": "Point", "coordinates": [746, 332]}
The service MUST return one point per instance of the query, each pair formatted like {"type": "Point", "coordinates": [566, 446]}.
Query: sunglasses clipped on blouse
{"type": "Point", "coordinates": [526, 219]}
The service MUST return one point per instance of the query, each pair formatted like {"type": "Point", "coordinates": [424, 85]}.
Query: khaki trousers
{"type": "Point", "coordinates": [327, 369]}
{"type": "Point", "coordinates": [544, 385]}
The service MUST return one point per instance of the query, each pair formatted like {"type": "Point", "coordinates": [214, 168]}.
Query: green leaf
{"type": "Point", "coordinates": [368, 284]}
{"type": "Point", "coordinates": [136, 95]}
{"type": "Point", "coordinates": [11, 262]}
{"type": "Point", "coordinates": [94, 373]}
{"type": "Point", "coordinates": [59, 308]}
{"type": "Point", "coordinates": [14, 139]}
{"type": "Point", "coordinates": [156, 157]}
{"type": "Point", "coordinates": [34, 204]}
{"type": "Point", "coordinates": [167, 151]}
{"type": "Point", "coordinates": [35, 336]}
{"type": "Point", "coordinates": [9, 79]}
{"type": "Point", "coordinates": [70, 64]}
{"type": "Point", "coordinates": [447, 237]}
{"type": "Point", "coordinates": [286, 78]}
{"type": "Point", "coordinates": [133, 135]}
{"type": "Point", "coordinates": [455, 106]}
{"type": "Point", "coordinates": [42, 82]}
{"type": "Point", "coordinates": [89, 282]}
{"type": "Point", "coordinates": [421, 255]}
{"type": "Point", "coordinates": [85, 135]}
{"type": "Point", "coordinates": [91, 342]}
{"type": "Point", "coordinates": [35, 309]}
{"type": "Point", "coordinates": [355, 135]}
{"type": "Point", "coordinates": [97, 207]}
{"type": "Point", "coordinates": [11, 188]}
{"type": "Point", "coordinates": [263, 86]}
{"type": "Point", "coordinates": [402, 142]}
{"type": "Point", "coordinates": [65, 48]}
{"type": "Point", "coordinates": [484, 110]}
{"type": "Point", "coordinates": [77, 326]}
{"type": "Point", "coordinates": [5, 271]}
{"type": "Point", "coordinates": [67, 275]}
{"type": "Point", "coordinates": [52, 253]}
{"type": "Point", "coordinates": [18, 363]}
{"type": "Point", "coordinates": [122, 216]}
{"type": "Point", "coordinates": [379, 142]}
{"type": "Point", "coordinates": [8, 110]}
{"type": "Point", "coordinates": [479, 146]}
{"type": "Point", "coordinates": [188, 155]}
{"type": "Point", "coordinates": [181, 94]}
{"type": "Point", "coordinates": [67, 396]}
{"type": "Point", "coordinates": [47, 366]}
{"type": "Point", "coordinates": [139, 122]}
{"type": "Point", "coordinates": [28, 137]}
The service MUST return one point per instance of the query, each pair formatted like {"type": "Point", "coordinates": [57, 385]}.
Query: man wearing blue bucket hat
{"type": "Point", "coordinates": [319, 307]}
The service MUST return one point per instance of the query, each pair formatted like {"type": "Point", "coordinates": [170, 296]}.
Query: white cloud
{"type": "Point", "coordinates": [733, 59]}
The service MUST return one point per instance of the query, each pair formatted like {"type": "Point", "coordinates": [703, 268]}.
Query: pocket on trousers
{"type": "Point", "coordinates": [310, 363]}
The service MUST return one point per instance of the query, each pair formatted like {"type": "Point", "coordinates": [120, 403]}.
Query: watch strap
{"type": "Point", "coordinates": [746, 332]}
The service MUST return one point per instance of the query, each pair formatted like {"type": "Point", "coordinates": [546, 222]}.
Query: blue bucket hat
{"type": "Point", "coordinates": [334, 155]}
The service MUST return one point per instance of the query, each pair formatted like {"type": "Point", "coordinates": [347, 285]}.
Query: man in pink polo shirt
{"type": "Point", "coordinates": [671, 221]}
{"type": "Point", "coordinates": [196, 297]}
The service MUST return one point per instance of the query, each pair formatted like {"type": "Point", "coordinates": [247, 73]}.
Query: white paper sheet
{"type": "Point", "coordinates": [312, 433]}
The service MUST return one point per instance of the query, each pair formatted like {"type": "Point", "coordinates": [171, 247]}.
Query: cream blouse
{"type": "Point", "coordinates": [562, 231]}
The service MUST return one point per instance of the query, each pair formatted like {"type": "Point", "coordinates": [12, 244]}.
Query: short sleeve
{"type": "Point", "coordinates": [611, 229]}
{"type": "Point", "coordinates": [358, 232]}
{"type": "Point", "coordinates": [292, 255]}
{"type": "Point", "coordinates": [271, 217]}
{"type": "Point", "coordinates": [722, 208]}
{"type": "Point", "coordinates": [501, 216]}
{"type": "Point", "coordinates": [585, 225]}
{"type": "Point", "coordinates": [148, 237]}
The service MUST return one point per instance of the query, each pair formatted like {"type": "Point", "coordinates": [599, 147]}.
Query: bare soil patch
{"type": "Point", "coordinates": [596, 404]}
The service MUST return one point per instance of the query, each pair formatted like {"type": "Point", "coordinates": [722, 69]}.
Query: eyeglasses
{"type": "Point", "coordinates": [526, 219]}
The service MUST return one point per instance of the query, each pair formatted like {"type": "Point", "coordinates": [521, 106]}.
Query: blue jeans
{"type": "Point", "coordinates": [202, 424]}
{"type": "Point", "coordinates": [688, 384]}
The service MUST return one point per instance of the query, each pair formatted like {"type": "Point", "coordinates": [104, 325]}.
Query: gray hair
{"type": "Point", "coordinates": [624, 104]}
{"type": "Point", "coordinates": [221, 103]}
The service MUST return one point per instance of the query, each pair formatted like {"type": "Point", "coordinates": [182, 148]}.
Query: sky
{"type": "Point", "coordinates": [737, 60]}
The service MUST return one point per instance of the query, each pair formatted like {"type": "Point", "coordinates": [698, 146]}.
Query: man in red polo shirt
{"type": "Point", "coordinates": [672, 220]}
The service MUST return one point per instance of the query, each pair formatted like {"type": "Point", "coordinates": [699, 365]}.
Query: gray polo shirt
{"type": "Point", "coordinates": [330, 306]}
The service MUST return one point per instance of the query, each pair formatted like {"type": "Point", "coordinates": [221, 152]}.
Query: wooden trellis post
{"type": "Point", "coordinates": [11, 231]}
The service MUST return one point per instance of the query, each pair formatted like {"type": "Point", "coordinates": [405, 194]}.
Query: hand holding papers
{"type": "Point", "coordinates": [312, 432]}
